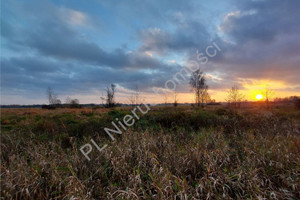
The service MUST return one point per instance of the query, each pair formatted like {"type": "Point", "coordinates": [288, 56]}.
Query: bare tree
{"type": "Point", "coordinates": [269, 93]}
{"type": "Point", "coordinates": [102, 98]}
{"type": "Point", "coordinates": [72, 103]}
{"type": "Point", "coordinates": [57, 102]}
{"type": "Point", "coordinates": [110, 95]}
{"type": "Point", "coordinates": [137, 95]}
{"type": "Point", "coordinates": [131, 99]}
{"type": "Point", "coordinates": [175, 99]}
{"type": "Point", "coordinates": [297, 103]}
{"type": "Point", "coordinates": [134, 99]}
{"type": "Point", "coordinates": [166, 99]}
{"type": "Point", "coordinates": [75, 101]}
{"type": "Point", "coordinates": [206, 97]}
{"type": "Point", "coordinates": [199, 86]}
{"type": "Point", "coordinates": [68, 100]}
{"type": "Point", "coordinates": [52, 97]}
{"type": "Point", "coordinates": [234, 96]}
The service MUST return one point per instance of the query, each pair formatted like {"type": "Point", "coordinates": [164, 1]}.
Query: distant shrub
{"type": "Point", "coordinates": [213, 104]}
{"type": "Point", "coordinates": [221, 111]}
{"type": "Point", "coordinates": [297, 103]}
{"type": "Point", "coordinates": [113, 114]}
{"type": "Point", "coordinates": [49, 107]}
{"type": "Point", "coordinates": [203, 119]}
{"type": "Point", "coordinates": [96, 107]}
{"type": "Point", "coordinates": [73, 103]}
{"type": "Point", "coordinates": [175, 104]}
{"type": "Point", "coordinates": [75, 106]}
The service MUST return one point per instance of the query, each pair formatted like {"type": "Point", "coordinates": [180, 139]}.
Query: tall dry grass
{"type": "Point", "coordinates": [184, 154]}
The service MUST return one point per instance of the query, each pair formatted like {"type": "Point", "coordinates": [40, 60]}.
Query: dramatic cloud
{"type": "Point", "coordinates": [262, 21]}
{"type": "Point", "coordinates": [79, 48]}
{"type": "Point", "coordinates": [187, 36]}
{"type": "Point", "coordinates": [263, 41]}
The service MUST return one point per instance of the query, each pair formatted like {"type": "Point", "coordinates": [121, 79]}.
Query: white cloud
{"type": "Point", "coordinates": [74, 17]}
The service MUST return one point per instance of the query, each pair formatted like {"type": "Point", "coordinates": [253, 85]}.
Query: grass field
{"type": "Point", "coordinates": [170, 153]}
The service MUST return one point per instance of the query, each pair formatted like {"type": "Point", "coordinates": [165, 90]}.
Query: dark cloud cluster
{"type": "Point", "coordinates": [264, 39]}
{"type": "Point", "coordinates": [43, 47]}
{"type": "Point", "coordinates": [262, 21]}
{"type": "Point", "coordinates": [188, 36]}
{"type": "Point", "coordinates": [61, 58]}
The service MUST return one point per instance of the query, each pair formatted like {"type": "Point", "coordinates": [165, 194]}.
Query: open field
{"type": "Point", "coordinates": [169, 153]}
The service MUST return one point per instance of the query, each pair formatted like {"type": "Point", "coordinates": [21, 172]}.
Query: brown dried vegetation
{"type": "Point", "coordinates": [180, 153]}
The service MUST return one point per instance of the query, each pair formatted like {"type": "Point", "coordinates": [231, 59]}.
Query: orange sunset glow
{"type": "Point", "coordinates": [259, 97]}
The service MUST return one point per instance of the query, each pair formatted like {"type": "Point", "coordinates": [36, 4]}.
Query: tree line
{"type": "Point", "coordinates": [198, 85]}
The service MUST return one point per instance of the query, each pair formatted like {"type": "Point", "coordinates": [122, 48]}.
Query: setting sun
{"type": "Point", "coordinates": [259, 96]}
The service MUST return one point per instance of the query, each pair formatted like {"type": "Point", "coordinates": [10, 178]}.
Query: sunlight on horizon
{"type": "Point", "coordinates": [259, 97]}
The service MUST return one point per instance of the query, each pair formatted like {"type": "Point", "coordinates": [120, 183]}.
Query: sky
{"type": "Point", "coordinates": [80, 47]}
